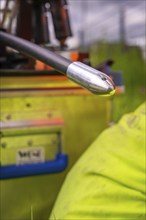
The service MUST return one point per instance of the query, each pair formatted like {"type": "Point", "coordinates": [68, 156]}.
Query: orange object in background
{"type": "Point", "coordinates": [73, 56]}
{"type": "Point", "coordinates": [80, 56]}
{"type": "Point", "coordinates": [42, 66]}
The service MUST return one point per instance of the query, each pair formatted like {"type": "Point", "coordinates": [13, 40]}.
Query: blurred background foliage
{"type": "Point", "coordinates": [128, 60]}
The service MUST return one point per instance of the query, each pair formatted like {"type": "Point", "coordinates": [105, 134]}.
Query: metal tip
{"type": "Point", "coordinates": [91, 79]}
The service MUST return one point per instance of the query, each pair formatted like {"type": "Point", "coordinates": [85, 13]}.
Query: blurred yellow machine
{"type": "Point", "coordinates": [46, 120]}
{"type": "Point", "coordinates": [42, 116]}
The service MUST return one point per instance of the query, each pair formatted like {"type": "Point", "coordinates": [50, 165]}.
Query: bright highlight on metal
{"type": "Point", "coordinates": [90, 78]}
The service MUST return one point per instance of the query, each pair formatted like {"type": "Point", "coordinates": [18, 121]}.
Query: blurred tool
{"type": "Point", "coordinates": [41, 28]}
{"type": "Point", "coordinates": [36, 22]}
{"type": "Point", "coordinates": [30, 20]}
{"type": "Point", "coordinates": [61, 22]}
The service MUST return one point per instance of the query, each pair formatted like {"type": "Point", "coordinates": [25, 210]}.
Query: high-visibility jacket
{"type": "Point", "coordinates": [109, 180]}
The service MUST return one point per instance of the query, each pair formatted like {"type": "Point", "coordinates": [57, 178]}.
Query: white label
{"type": "Point", "coordinates": [30, 155]}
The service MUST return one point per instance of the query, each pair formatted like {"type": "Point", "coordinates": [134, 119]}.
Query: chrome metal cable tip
{"type": "Point", "coordinates": [90, 78]}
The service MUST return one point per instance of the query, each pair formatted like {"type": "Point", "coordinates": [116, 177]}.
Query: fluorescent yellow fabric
{"type": "Point", "coordinates": [108, 181]}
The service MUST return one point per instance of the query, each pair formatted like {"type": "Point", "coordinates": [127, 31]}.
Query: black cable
{"type": "Point", "coordinates": [84, 75]}
{"type": "Point", "coordinates": [32, 50]}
